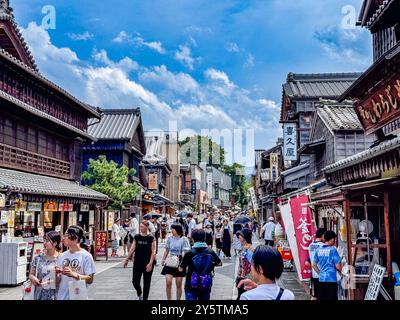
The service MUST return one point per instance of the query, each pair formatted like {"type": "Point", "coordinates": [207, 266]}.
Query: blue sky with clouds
{"type": "Point", "coordinates": [206, 64]}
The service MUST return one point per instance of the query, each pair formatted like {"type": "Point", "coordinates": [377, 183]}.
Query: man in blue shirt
{"type": "Point", "coordinates": [326, 263]}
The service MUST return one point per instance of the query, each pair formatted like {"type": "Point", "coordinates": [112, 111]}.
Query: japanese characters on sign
{"type": "Point", "coordinates": [100, 244]}
{"type": "Point", "coordinates": [290, 141]}
{"type": "Point", "coordinates": [274, 166]}
{"type": "Point", "coordinates": [304, 230]}
{"type": "Point", "coordinates": [193, 186]}
{"type": "Point", "coordinates": [217, 191]}
{"type": "Point", "coordinates": [253, 198]}
{"type": "Point", "coordinates": [51, 206]}
{"type": "Point", "coordinates": [209, 185]}
{"type": "Point", "coordinates": [380, 108]}
{"type": "Point", "coordinates": [34, 206]}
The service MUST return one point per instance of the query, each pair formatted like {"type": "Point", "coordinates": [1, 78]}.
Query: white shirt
{"type": "Point", "coordinates": [115, 232]}
{"type": "Point", "coordinates": [152, 229]}
{"type": "Point", "coordinates": [267, 292]}
{"type": "Point", "coordinates": [80, 262]}
{"type": "Point", "coordinates": [134, 227]}
{"type": "Point", "coordinates": [268, 229]}
{"type": "Point", "coordinates": [192, 225]}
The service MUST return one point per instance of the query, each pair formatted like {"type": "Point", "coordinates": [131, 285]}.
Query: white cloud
{"type": "Point", "coordinates": [184, 55]}
{"type": "Point", "coordinates": [123, 37]}
{"type": "Point", "coordinates": [138, 41]}
{"type": "Point", "coordinates": [156, 45]}
{"type": "Point", "coordinates": [232, 47]}
{"type": "Point", "coordinates": [249, 61]}
{"type": "Point", "coordinates": [218, 76]}
{"type": "Point", "coordinates": [180, 82]}
{"type": "Point", "coordinates": [80, 37]}
{"type": "Point", "coordinates": [270, 105]}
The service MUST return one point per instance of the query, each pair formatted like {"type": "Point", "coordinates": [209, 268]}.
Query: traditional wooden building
{"type": "Point", "coordinates": [41, 131]}
{"type": "Point", "coordinates": [365, 186]}
{"type": "Point", "coordinates": [120, 137]}
{"type": "Point", "coordinates": [301, 93]}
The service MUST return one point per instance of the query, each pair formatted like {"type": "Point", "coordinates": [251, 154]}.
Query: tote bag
{"type": "Point", "coordinates": [78, 290]}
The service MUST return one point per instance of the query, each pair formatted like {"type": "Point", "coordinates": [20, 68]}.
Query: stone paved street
{"type": "Point", "coordinates": [113, 282]}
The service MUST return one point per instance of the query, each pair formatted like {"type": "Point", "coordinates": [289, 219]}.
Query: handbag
{"type": "Point", "coordinates": [172, 261]}
{"type": "Point", "coordinates": [78, 290]}
{"type": "Point", "coordinates": [28, 288]}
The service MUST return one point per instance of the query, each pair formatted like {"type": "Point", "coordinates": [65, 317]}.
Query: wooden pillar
{"type": "Point", "coordinates": [387, 233]}
{"type": "Point", "coordinates": [347, 216]}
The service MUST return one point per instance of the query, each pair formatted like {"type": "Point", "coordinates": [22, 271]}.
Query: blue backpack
{"type": "Point", "coordinates": [203, 266]}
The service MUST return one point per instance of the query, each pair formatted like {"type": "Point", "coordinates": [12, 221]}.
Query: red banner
{"type": "Point", "coordinates": [304, 229]}
{"type": "Point", "coordinates": [100, 244]}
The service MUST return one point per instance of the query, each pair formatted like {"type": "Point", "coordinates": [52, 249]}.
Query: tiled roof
{"type": "Point", "coordinates": [338, 116]}
{"type": "Point", "coordinates": [324, 85]}
{"type": "Point", "coordinates": [365, 155]}
{"type": "Point", "coordinates": [41, 185]}
{"type": "Point", "coordinates": [115, 124]}
{"type": "Point", "coordinates": [6, 13]}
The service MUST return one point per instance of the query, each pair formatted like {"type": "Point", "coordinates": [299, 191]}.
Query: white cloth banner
{"type": "Point", "coordinates": [287, 218]}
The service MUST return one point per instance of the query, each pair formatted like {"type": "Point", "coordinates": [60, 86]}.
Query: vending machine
{"type": "Point", "coordinates": [13, 263]}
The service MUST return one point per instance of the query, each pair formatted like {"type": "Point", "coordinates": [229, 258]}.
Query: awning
{"type": "Point", "coordinates": [312, 147]}
{"type": "Point", "coordinates": [335, 194]}
{"type": "Point", "coordinates": [32, 184]}
{"type": "Point", "coordinates": [159, 198]}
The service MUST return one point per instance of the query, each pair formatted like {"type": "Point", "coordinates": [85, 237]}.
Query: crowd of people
{"type": "Point", "coordinates": [194, 247]}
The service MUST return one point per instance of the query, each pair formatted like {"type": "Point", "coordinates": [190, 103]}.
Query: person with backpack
{"type": "Point", "coordinates": [266, 268]}
{"type": "Point", "coordinates": [199, 264]}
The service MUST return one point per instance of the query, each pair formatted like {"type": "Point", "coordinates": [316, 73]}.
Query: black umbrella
{"type": "Point", "coordinates": [242, 220]}
{"type": "Point", "coordinates": [152, 215]}
{"type": "Point", "coordinates": [182, 214]}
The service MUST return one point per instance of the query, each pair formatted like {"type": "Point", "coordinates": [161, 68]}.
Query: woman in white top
{"type": "Point", "coordinates": [266, 268]}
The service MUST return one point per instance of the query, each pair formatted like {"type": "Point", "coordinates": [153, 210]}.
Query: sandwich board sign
{"type": "Point", "coordinates": [375, 282]}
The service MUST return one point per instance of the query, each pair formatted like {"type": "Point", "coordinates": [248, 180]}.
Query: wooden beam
{"type": "Point", "coordinates": [369, 204]}
{"type": "Point", "coordinates": [347, 216]}
{"type": "Point", "coordinates": [387, 233]}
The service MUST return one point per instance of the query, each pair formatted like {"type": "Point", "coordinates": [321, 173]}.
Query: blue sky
{"type": "Point", "coordinates": [206, 64]}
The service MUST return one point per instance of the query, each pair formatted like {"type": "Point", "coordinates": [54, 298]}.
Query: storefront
{"type": "Point", "coordinates": [37, 204]}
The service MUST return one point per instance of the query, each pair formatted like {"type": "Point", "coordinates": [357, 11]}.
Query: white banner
{"type": "Point", "coordinates": [287, 218]}
{"type": "Point", "coordinates": [290, 141]}
{"type": "Point", "coordinates": [209, 185]}
{"type": "Point", "coordinates": [253, 198]}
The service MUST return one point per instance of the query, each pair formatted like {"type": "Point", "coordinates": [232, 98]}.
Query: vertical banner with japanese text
{"type": "Point", "coordinates": [304, 229]}
{"type": "Point", "coordinates": [274, 166]}
{"type": "Point", "coordinates": [289, 141]}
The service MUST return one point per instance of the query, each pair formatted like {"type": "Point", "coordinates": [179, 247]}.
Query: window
{"type": "Point", "coordinates": [21, 137]}
{"type": "Point", "coordinates": [9, 132]}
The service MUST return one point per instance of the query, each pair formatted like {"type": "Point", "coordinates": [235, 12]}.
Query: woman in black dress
{"type": "Point", "coordinates": [209, 235]}
{"type": "Point", "coordinates": [226, 240]}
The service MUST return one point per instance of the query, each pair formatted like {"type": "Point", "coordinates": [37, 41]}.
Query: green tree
{"type": "Point", "coordinates": [113, 180]}
{"type": "Point", "coordinates": [199, 149]}
{"type": "Point", "coordinates": [240, 184]}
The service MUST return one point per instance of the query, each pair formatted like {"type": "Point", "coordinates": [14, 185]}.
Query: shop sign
{"type": "Point", "coordinates": [273, 157]}
{"type": "Point", "coordinates": [84, 207]}
{"type": "Point", "coordinates": [50, 206]}
{"type": "Point", "coordinates": [153, 185]}
{"type": "Point", "coordinates": [381, 107]}
{"type": "Point", "coordinates": [66, 207]}
{"type": "Point", "coordinates": [72, 218]}
{"type": "Point", "coordinates": [216, 191]}
{"type": "Point", "coordinates": [193, 186]}
{"type": "Point", "coordinates": [253, 198]}
{"type": "Point", "coordinates": [289, 141]}
{"type": "Point", "coordinates": [34, 206]}
{"type": "Point", "coordinates": [100, 244]}
{"type": "Point", "coordinates": [304, 230]}
{"type": "Point", "coordinates": [209, 185]}
{"type": "Point", "coordinates": [20, 205]}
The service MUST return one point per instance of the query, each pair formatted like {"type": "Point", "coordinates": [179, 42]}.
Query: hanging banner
{"type": "Point", "coordinates": [50, 206]}
{"type": "Point", "coordinates": [304, 228]}
{"type": "Point", "coordinates": [209, 185]}
{"type": "Point", "coordinates": [217, 191]}
{"type": "Point", "coordinates": [289, 141]}
{"type": "Point", "coordinates": [253, 198]}
{"type": "Point", "coordinates": [20, 205]}
{"type": "Point", "coordinates": [193, 186]}
{"type": "Point", "coordinates": [72, 218]}
{"type": "Point", "coordinates": [91, 218]}
{"type": "Point", "coordinates": [100, 244]}
{"type": "Point", "coordinates": [290, 234]}
{"type": "Point", "coordinates": [34, 206]}
{"type": "Point", "coordinates": [274, 165]}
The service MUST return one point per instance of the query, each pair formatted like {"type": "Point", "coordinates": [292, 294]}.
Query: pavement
{"type": "Point", "coordinates": [113, 282]}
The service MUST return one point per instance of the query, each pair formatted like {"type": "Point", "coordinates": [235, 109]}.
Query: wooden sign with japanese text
{"type": "Point", "coordinates": [381, 107]}
{"type": "Point", "coordinates": [153, 184]}
{"type": "Point", "coordinates": [101, 244]}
